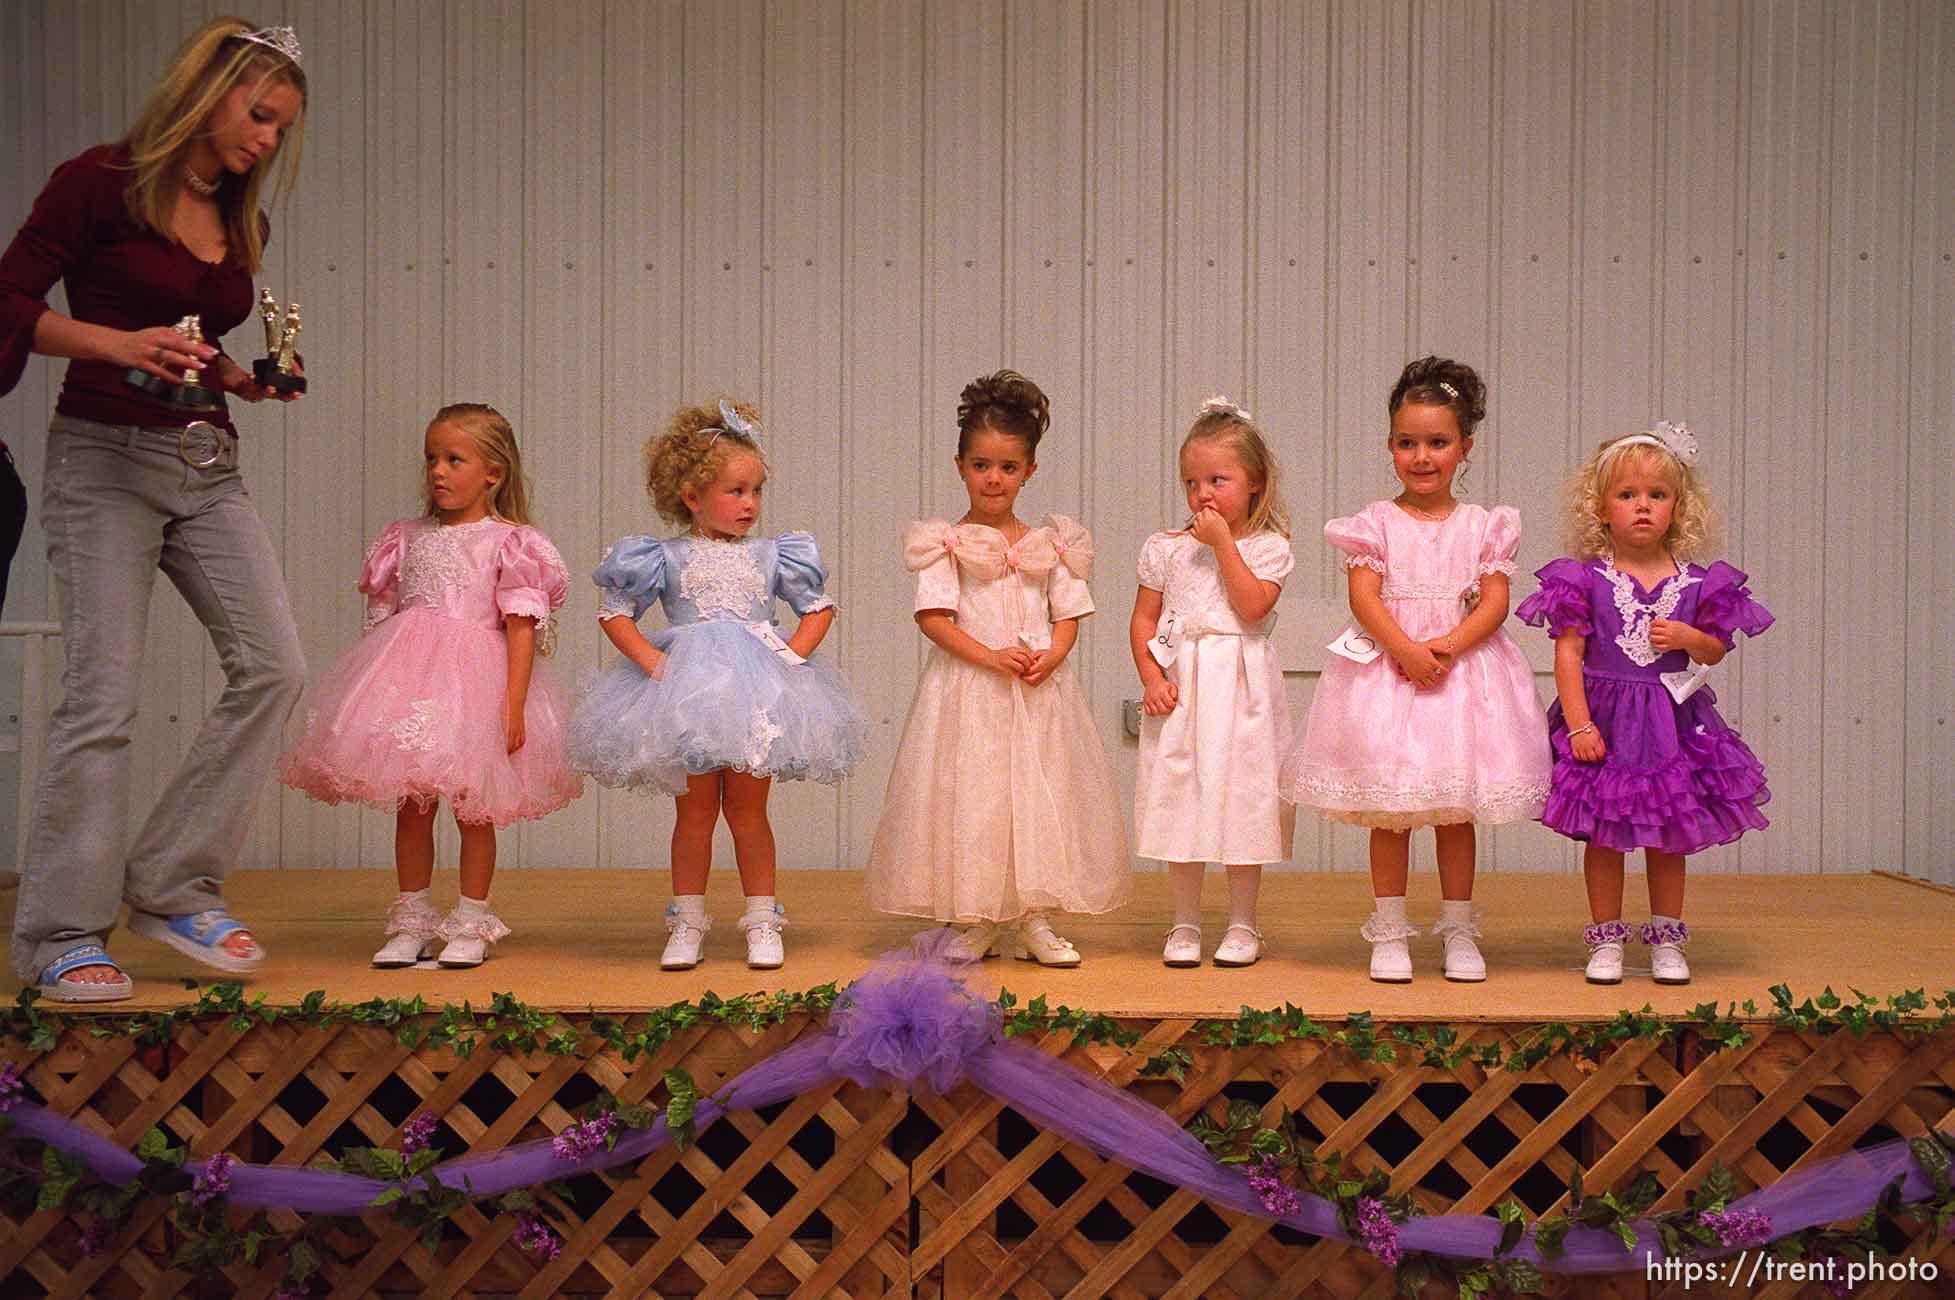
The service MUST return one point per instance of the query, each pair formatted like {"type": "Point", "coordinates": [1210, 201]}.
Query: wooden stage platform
{"type": "Point", "coordinates": [1471, 1103]}
{"type": "Point", "coordinates": [591, 939]}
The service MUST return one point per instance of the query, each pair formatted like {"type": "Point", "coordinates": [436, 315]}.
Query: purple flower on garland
{"type": "Point", "coordinates": [1376, 1231]}
{"type": "Point", "coordinates": [96, 1238]}
{"type": "Point", "coordinates": [1739, 1227]}
{"type": "Point", "coordinates": [1277, 1196]}
{"type": "Point", "coordinates": [214, 1179]}
{"type": "Point", "coordinates": [293, 1291]}
{"type": "Point", "coordinates": [416, 1134]}
{"type": "Point", "coordinates": [534, 1235]}
{"type": "Point", "coordinates": [11, 1087]}
{"type": "Point", "coordinates": [579, 1140]}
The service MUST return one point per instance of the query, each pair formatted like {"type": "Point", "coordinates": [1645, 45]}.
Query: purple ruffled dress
{"type": "Point", "coordinates": [1677, 778]}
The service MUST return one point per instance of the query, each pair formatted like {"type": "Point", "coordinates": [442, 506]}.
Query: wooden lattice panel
{"type": "Point", "coordinates": [847, 1192]}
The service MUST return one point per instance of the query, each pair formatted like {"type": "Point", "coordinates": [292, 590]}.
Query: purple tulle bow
{"type": "Point", "coordinates": [911, 1019]}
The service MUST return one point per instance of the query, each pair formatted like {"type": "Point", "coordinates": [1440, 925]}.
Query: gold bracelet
{"type": "Point", "coordinates": [1579, 730]}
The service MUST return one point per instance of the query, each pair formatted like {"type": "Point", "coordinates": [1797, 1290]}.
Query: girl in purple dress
{"type": "Point", "coordinates": [1641, 758]}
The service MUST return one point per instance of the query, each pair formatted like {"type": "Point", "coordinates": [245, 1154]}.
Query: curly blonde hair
{"type": "Point", "coordinates": [1234, 430]}
{"type": "Point", "coordinates": [690, 454]}
{"type": "Point", "coordinates": [1693, 522]}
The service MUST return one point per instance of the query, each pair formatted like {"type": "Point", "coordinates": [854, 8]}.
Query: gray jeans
{"type": "Point", "coordinates": [119, 503]}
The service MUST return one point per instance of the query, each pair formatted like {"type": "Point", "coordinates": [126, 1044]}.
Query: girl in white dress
{"type": "Point", "coordinates": [1214, 721]}
{"type": "Point", "coordinates": [1001, 807]}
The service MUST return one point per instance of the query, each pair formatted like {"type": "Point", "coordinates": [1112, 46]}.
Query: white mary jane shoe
{"type": "Point", "coordinates": [469, 938]}
{"type": "Point", "coordinates": [1242, 945]}
{"type": "Point", "coordinates": [1391, 958]}
{"type": "Point", "coordinates": [1183, 948]}
{"type": "Point", "coordinates": [1463, 964]}
{"type": "Point", "coordinates": [412, 928]}
{"type": "Point", "coordinates": [1036, 942]}
{"type": "Point", "coordinates": [688, 936]}
{"type": "Point", "coordinates": [764, 948]}
{"type": "Point", "coordinates": [404, 949]}
{"type": "Point", "coordinates": [1666, 940]}
{"type": "Point", "coordinates": [1605, 943]}
{"type": "Point", "coordinates": [973, 943]}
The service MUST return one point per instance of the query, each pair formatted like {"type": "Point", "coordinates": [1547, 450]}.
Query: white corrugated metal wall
{"type": "Point", "coordinates": [1740, 214]}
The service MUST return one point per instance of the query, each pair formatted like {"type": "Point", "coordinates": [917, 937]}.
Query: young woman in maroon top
{"type": "Point", "coordinates": [162, 223]}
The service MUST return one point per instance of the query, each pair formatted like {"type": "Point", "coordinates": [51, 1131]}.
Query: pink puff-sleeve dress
{"type": "Point", "coordinates": [1377, 750]}
{"type": "Point", "coordinates": [414, 711]}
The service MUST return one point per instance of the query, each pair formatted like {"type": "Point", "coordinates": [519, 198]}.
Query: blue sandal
{"type": "Point", "coordinates": [83, 954]}
{"type": "Point", "coordinates": [200, 936]}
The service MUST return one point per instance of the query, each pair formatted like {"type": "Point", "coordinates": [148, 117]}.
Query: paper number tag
{"type": "Point", "coordinates": [1357, 645]}
{"type": "Point", "coordinates": [767, 636]}
{"type": "Point", "coordinates": [1161, 646]}
{"type": "Point", "coordinates": [1685, 682]}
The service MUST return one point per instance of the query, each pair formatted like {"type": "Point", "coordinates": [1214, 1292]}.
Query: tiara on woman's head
{"type": "Point", "coordinates": [1220, 405]}
{"type": "Point", "coordinates": [282, 39]}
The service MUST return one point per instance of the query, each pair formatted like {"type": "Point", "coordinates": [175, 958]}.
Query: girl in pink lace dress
{"type": "Point", "coordinates": [440, 699]}
{"type": "Point", "coordinates": [1001, 807]}
{"type": "Point", "coordinates": [1426, 713]}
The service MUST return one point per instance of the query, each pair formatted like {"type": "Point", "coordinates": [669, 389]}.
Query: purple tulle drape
{"type": "Point", "coordinates": [911, 1022]}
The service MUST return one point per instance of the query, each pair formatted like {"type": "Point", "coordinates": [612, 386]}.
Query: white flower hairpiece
{"type": "Point", "coordinates": [1220, 405]}
{"type": "Point", "coordinates": [1673, 436]}
{"type": "Point", "coordinates": [731, 421]}
{"type": "Point", "coordinates": [285, 40]}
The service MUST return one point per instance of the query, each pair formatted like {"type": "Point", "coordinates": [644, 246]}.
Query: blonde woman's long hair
{"type": "Point", "coordinates": [213, 61]}
{"type": "Point", "coordinates": [1693, 521]}
{"type": "Point", "coordinates": [1240, 435]}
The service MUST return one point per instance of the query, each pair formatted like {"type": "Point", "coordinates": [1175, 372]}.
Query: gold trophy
{"type": "Point", "coordinates": [189, 392]}
{"type": "Point", "coordinates": [276, 369]}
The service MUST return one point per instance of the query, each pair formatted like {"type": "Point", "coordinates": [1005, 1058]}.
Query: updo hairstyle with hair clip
{"type": "Point", "coordinates": [1222, 421]}
{"type": "Point", "coordinates": [1441, 381]}
{"type": "Point", "coordinates": [691, 452]}
{"type": "Point", "coordinates": [1004, 402]}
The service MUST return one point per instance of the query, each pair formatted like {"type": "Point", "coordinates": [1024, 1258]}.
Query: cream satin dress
{"type": "Point", "coordinates": [1001, 801]}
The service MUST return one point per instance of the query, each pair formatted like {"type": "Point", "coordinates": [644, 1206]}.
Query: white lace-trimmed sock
{"type": "Point", "coordinates": [414, 895]}
{"type": "Point", "coordinates": [758, 905]}
{"type": "Point", "coordinates": [1391, 909]}
{"type": "Point", "coordinates": [1450, 909]}
{"type": "Point", "coordinates": [470, 908]}
{"type": "Point", "coordinates": [690, 906]}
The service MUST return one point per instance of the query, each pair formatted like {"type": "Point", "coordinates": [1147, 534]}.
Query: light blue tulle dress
{"type": "Point", "coordinates": [731, 695]}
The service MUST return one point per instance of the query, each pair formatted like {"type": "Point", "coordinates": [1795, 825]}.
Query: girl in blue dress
{"type": "Point", "coordinates": [718, 703]}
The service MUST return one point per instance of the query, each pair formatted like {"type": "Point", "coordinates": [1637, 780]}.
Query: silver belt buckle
{"type": "Point", "coordinates": [203, 428]}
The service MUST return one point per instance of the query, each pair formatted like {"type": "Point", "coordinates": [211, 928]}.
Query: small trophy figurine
{"type": "Point", "coordinates": [275, 369]}
{"type": "Point", "coordinates": [189, 392]}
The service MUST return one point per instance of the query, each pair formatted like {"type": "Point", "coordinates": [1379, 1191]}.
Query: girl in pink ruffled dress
{"type": "Point", "coordinates": [1425, 714]}
{"type": "Point", "coordinates": [1001, 807]}
{"type": "Point", "coordinates": [1641, 758]}
{"type": "Point", "coordinates": [441, 698]}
